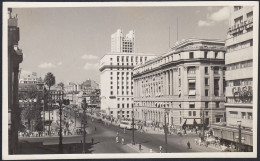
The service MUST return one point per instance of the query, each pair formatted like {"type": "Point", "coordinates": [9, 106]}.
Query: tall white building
{"type": "Point", "coordinates": [117, 84]}
{"type": "Point", "coordinates": [122, 44]}
{"type": "Point", "coordinates": [239, 79]}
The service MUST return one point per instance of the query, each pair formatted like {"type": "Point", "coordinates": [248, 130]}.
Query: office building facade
{"type": "Point", "coordinates": [181, 85]}
{"type": "Point", "coordinates": [239, 78]}
{"type": "Point", "coordinates": [117, 84]}
{"type": "Point", "coordinates": [121, 44]}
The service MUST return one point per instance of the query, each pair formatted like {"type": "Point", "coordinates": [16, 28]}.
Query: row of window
{"type": "Point", "coordinates": [130, 58]}
{"type": "Point", "coordinates": [123, 93]}
{"type": "Point", "coordinates": [240, 65]}
{"type": "Point", "coordinates": [127, 99]}
{"type": "Point", "coordinates": [241, 82]}
{"type": "Point", "coordinates": [123, 105]}
{"type": "Point", "coordinates": [240, 46]}
{"type": "Point", "coordinates": [242, 115]}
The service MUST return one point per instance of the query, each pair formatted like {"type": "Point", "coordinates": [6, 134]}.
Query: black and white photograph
{"type": "Point", "coordinates": [129, 80]}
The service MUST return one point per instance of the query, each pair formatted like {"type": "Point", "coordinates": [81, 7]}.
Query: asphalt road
{"type": "Point", "coordinates": [105, 139]}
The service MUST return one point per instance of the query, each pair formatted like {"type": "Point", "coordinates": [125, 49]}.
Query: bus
{"type": "Point", "coordinates": [127, 125]}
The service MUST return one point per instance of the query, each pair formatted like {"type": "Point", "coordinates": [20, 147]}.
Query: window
{"type": "Point", "coordinates": [191, 70]}
{"type": "Point", "coordinates": [249, 116]}
{"type": "Point", "coordinates": [111, 73]}
{"type": "Point", "coordinates": [111, 78]}
{"type": "Point", "coordinates": [217, 104]}
{"type": "Point", "coordinates": [189, 113]}
{"type": "Point", "coordinates": [217, 119]}
{"type": "Point", "coordinates": [179, 82]}
{"type": "Point", "coordinates": [123, 105]}
{"type": "Point", "coordinates": [192, 105]}
{"type": "Point", "coordinates": [216, 70]}
{"type": "Point", "coordinates": [206, 92]}
{"type": "Point", "coordinates": [236, 8]}
{"type": "Point", "coordinates": [179, 71]}
{"type": "Point", "coordinates": [111, 87]}
{"type": "Point", "coordinates": [111, 59]}
{"type": "Point", "coordinates": [111, 82]}
{"type": "Point", "coordinates": [192, 87]}
{"type": "Point", "coordinates": [206, 70]}
{"type": "Point", "coordinates": [206, 113]}
{"type": "Point", "coordinates": [216, 87]}
{"type": "Point", "coordinates": [127, 105]}
{"type": "Point", "coordinates": [206, 81]}
{"type": "Point", "coordinates": [243, 115]}
{"type": "Point", "coordinates": [206, 104]}
{"type": "Point", "coordinates": [111, 92]}
{"type": "Point", "coordinates": [194, 113]}
{"type": "Point", "coordinates": [233, 114]}
{"type": "Point", "coordinates": [205, 54]}
{"type": "Point", "coordinates": [191, 55]}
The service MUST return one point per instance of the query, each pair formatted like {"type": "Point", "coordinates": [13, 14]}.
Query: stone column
{"type": "Point", "coordinates": [171, 82]}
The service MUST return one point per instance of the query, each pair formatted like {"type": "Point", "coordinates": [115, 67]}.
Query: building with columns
{"type": "Point", "coordinates": [116, 82]}
{"type": "Point", "coordinates": [183, 83]}
{"type": "Point", "coordinates": [239, 80]}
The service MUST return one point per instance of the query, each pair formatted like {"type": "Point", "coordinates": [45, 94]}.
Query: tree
{"type": "Point", "coordinates": [61, 84]}
{"type": "Point", "coordinates": [49, 80]}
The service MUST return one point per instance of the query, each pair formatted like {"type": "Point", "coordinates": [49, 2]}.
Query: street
{"type": "Point", "coordinates": [105, 135]}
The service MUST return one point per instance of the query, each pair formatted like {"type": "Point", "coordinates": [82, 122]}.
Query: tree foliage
{"type": "Point", "coordinates": [61, 84]}
{"type": "Point", "coordinates": [49, 80]}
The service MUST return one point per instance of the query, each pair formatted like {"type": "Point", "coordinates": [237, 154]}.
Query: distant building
{"type": "Point", "coordinates": [117, 84]}
{"type": "Point", "coordinates": [181, 85]}
{"type": "Point", "coordinates": [29, 78]}
{"type": "Point", "coordinates": [121, 44]}
{"type": "Point", "coordinates": [239, 79]}
{"type": "Point", "coordinates": [89, 85]}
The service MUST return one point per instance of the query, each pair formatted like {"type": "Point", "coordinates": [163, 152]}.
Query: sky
{"type": "Point", "coordinates": [69, 42]}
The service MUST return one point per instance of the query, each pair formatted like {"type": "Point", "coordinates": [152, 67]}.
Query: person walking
{"type": "Point", "coordinates": [188, 144]}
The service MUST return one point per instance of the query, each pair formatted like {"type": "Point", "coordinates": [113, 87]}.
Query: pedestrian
{"type": "Point", "coordinates": [188, 144]}
{"type": "Point", "coordinates": [92, 140]}
{"type": "Point", "coordinates": [123, 141]}
{"type": "Point", "coordinates": [117, 140]}
{"type": "Point", "coordinates": [196, 131]}
{"type": "Point", "coordinates": [160, 147]}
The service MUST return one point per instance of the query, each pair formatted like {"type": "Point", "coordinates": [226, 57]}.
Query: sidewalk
{"type": "Point", "coordinates": [144, 149]}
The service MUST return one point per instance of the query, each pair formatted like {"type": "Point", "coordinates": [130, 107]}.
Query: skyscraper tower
{"type": "Point", "coordinates": [122, 44]}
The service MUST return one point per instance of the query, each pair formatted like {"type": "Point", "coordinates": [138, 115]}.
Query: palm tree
{"type": "Point", "coordinates": [49, 80]}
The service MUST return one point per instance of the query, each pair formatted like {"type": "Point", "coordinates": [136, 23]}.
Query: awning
{"type": "Point", "coordinates": [183, 122]}
{"type": "Point", "coordinates": [192, 103]}
{"type": "Point", "coordinates": [190, 121]}
{"type": "Point", "coordinates": [192, 80]}
{"type": "Point", "coordinates": [198, 121]}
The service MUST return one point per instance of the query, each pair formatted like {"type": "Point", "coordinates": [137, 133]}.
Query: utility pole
{"type": "Point", "coordinates": [239, 136]}
{"type": "Point", "coordinates": [133, 130]}
{"type": "Point", "coordinates": [165, 132]}
{"type": "Point", "coordinates": [84, 106]}
{"type": "Point", "coordinates": [203, 125]}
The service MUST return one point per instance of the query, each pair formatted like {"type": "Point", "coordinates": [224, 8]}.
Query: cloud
{"type": "Point", "coordinates": [89, 66]}
{"type": "Point", "coordinates": [59, 63]}
{"type": "Point", "coordinates": [46, 65]}
{"type": "Point", "coordinates": [89, 57]}
{"type": "Point", "coordinates": [202, 23]}
{"type": "Point", "coordinates": [221, 15]}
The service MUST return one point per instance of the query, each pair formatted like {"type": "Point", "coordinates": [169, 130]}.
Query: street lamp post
{"type": "Point", "coordinates": [60, 138]}
{"type": "Point", "coordinates": [133, 130]}
{"type": "Point", "coordinates": [84, 106]}
{"type": "Point", "coordinates": [165, 131]}
{"type": "Point", "coordinates": [65, 102]}
{"type": "Point", "coordinates": [145, 113]}
{"type": "Point", "coordinates": [239, 136]}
